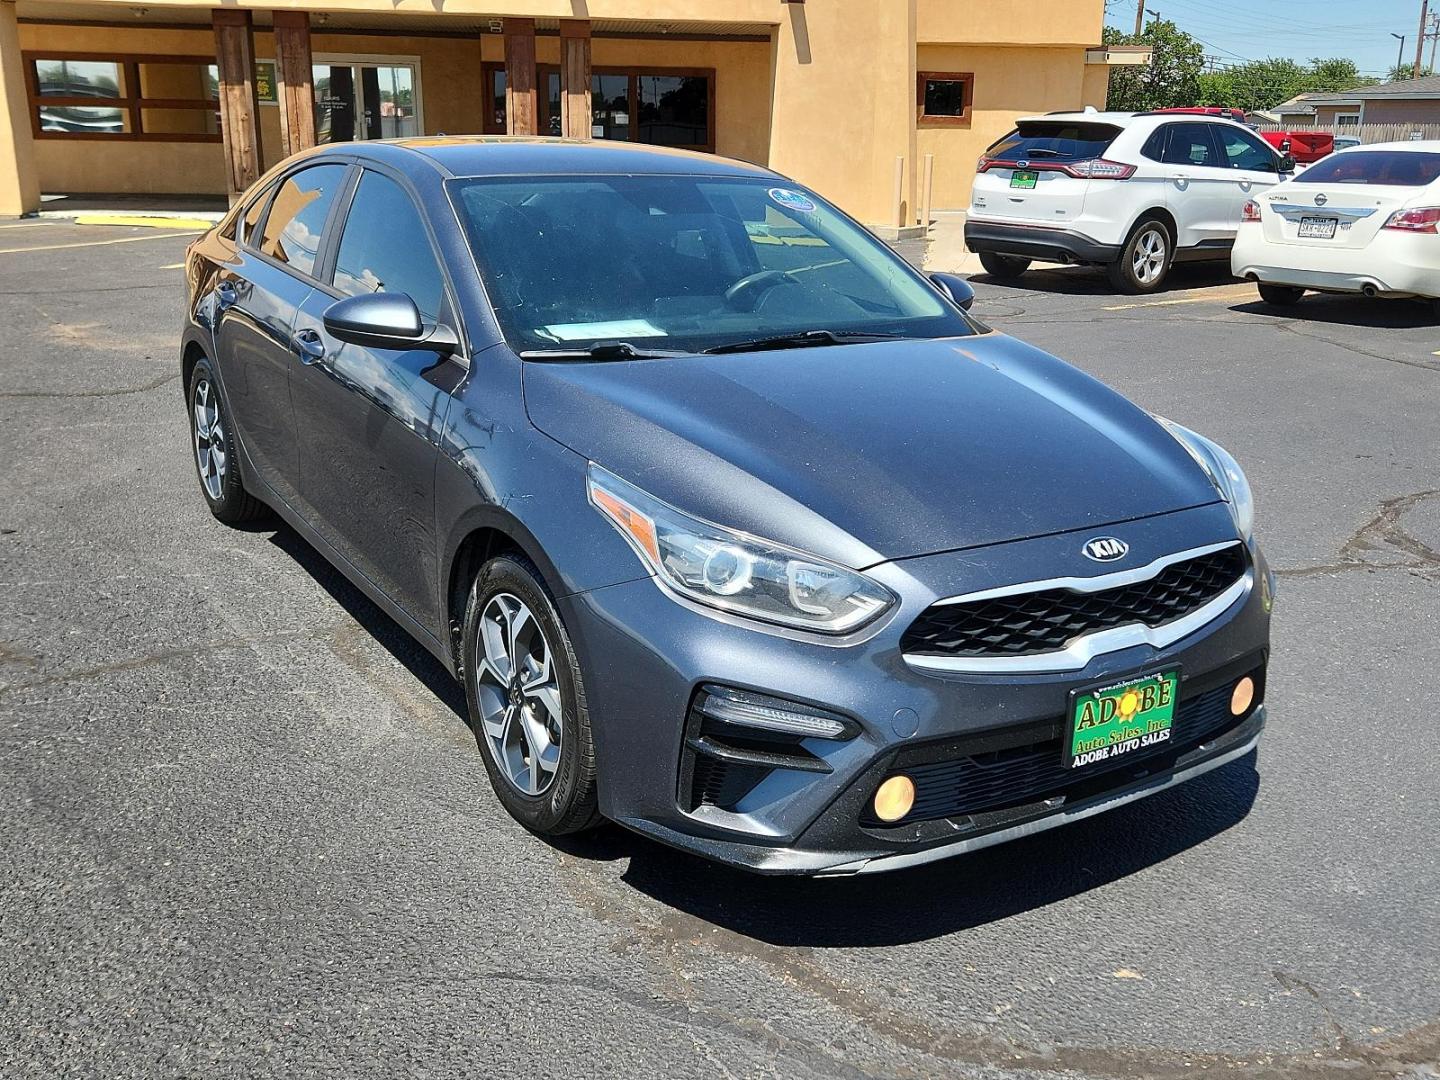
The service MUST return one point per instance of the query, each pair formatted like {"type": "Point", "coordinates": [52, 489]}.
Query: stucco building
{"type": "Point", "coordinates": [178, 97]}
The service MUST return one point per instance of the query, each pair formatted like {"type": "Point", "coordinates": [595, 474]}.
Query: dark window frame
{"type": "Point", "coordinates": [324, 253]}
{"type": "Point", "coordinates": [130, 102]}
{"type": "Point", "coordinates": [1255, 143]}
{"type": "Point", "coordinates": [966, 78]}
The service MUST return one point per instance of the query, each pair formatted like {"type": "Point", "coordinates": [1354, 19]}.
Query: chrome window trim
{"type": "Point", "coordinates": [1080, 651]}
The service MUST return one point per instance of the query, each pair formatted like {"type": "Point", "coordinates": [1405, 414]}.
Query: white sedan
{"type": "Point", "coordinates": [1363, 220]}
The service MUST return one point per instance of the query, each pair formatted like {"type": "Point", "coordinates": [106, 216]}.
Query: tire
{"type": "Point", "coordinates": [217, 465]}
{"type": "Point", "coordinates": [1144, 261]}
{"type": "Point", "coordinates": [551, 796]}
{"type": "Point", "coordinates": [1004, 267]}
{"type": "Point", "coordinates": [1280, 295]}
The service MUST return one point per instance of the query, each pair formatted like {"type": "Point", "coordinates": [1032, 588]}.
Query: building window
{"type": "Point", "coordinates": [944, 98]}
{"type": "Point", "coordinates": [1347, 120]}
{"type": "Point", "coordinates": [160, 98]}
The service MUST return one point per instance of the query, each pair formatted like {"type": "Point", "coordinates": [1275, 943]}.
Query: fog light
{"type": "Point", "coordinates": [1242, 697]}
{"type": "Point", "coordinates": [894, 798]}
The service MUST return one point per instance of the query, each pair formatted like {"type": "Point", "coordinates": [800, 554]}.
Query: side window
{"type": "Point", "coordinates": [385, 248]}
{"type": "Point", "coordinates": [1154, 147]}
{"type": "Point", "coordinates": [253, 213]}
{"type": "Point", "coordinates": [297, 216]}
{"type": "Point", "coordinates": [1191, 144]}
{"type": "Point", "coordinates": [1244, 151]}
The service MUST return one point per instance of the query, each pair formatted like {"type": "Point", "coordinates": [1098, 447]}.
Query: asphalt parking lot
{"type": "Point", "coordinates": [244, 829]}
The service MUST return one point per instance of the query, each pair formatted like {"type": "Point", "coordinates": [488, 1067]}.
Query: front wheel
{"type": "Point", "coordinates": [1280, 295]}
{"type": "Point", "coordinates": [527, 701]}
{"type": "Point", "coordinates": [1004, 267]}
{"type": "Point", "coordinates": [1144, 262]}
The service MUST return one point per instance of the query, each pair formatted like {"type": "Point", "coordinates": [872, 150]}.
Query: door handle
{"type": "Point", "coordinates": [308, 346]}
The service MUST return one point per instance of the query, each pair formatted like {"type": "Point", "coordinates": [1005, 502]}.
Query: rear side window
{"type": "Point", "coordinates": [1191, 144]}
{"type": "Point", "coordinates": [254, 212]}
{"type": "Point", "coordinates": [1388, 168]}
{"type": "Point", "coordinates": [385, 247]}
{"type": "Point", "coordinates": [297, 216]}
{"type": "Point", "coordinates": [1053, 140]}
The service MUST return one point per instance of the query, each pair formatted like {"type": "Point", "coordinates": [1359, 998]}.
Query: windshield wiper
{"type": "Point", "coordinates": [605, 350]}
{"type": "Point", "coordinates": [804, 339]}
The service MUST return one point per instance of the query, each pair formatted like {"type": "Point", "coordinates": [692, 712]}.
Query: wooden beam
{"type": "Point", "coordinates": [575, 118]}
{"type": "Point", "coordinates": [521, 101]}
{"type": "Point", "coordinates": [239, 110]}
{"type": "Point", "coordinates": [293, 73]}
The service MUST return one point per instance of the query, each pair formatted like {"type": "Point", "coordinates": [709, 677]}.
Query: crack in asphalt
{"type": "Point", "coordinates": [153, 384]}
{"type": "Point", "coordinates": [1292, 326]}
{"type": "Point", "coordinates": [1382, 533]}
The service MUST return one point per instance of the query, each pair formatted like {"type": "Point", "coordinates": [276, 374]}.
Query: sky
{"type": "Point", "coordinates": [1238, 30]}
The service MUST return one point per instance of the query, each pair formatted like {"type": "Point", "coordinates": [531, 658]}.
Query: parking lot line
{"type": "Point", "coordinates": [26, 225]}
{"type": "Point", "coordinates": [97, 243]}
{"type": "Point", "coordinates": [1233, 292]}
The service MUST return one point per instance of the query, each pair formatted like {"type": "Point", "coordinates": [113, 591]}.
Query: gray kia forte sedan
{"type": "Point", "coordinates": [737, 530]}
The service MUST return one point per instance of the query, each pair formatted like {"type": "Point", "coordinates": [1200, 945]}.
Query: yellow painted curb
{"type": "Point", "coordinates": [144, 222]}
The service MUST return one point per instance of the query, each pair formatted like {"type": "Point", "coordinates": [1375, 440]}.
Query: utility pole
{"type": "Point", "coordinates": [1420, 45]}
{"type": "Point", "coordinates": [1139, 17]}
{"type": "Point", "coordinates": [1434, 38]}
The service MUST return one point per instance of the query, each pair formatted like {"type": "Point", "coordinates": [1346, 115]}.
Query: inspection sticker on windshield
{"type": "Point", "coordinates": [1112, 721]}
{"type": "Point", "coordinates": [791, 200]}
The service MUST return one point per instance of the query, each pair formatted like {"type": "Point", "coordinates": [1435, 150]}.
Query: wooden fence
{"type": "Point", "coordinates": [1369, 133]}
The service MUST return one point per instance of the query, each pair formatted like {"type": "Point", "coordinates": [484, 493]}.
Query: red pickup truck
{"type": "Point", "coordinates": [1304, 146]}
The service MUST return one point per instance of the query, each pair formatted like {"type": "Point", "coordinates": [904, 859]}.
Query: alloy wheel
{"type": "Point", "coordinates": [209, 439]}
{"type": "Point", "coordinates": [519, 697]}
{"type": "Point", "coordinates": [1148, 262]}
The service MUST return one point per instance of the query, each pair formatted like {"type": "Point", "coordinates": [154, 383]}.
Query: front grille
{"type": "Point", "coordinates": [1047, 621]}
{"type": "Point", "coordinates": [1021, 775]}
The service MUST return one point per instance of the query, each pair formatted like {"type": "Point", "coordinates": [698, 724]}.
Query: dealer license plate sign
{"type": "Point", "coordinates": [1109, 722]}
{"type": "Point", "coordinates": [1024, 178]}
{"type": "Point", "coordinates": [1317, 228]}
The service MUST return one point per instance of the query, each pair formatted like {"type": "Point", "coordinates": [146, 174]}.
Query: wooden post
{"type": "Point", "coordinates": [927, 189]}
{"type": "Point", "coordinates": [293, 73]}
{"type": "Point", "coordinates": [521, 105]}
{"type": "Point", "coordinates": [575, 118]}
{"type": "Point", "coordinates": [239, 110]}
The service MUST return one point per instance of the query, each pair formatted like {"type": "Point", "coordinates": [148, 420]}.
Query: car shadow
{"type": "Point", "coordinates": [957, 894]}
{"type": "Point", "coordinates": [1091, 281]}
{"type": "Point", "coordinates": [1378, 314]}
{"type": "Point", "coordinates": [395, 639]}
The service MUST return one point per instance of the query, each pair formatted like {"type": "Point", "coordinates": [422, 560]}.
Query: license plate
{"type": "Point", "coordinates": [1110, 721]}
{"type": "Point", "coordinates": [1024, 178]}
{"type": "Point", "coordinates": [1317, 228]}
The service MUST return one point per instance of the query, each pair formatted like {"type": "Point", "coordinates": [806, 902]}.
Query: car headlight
{"type": "Point", "coordinates": [735, 572]}
{"type": "Point", "coordinates": [1224, 472]}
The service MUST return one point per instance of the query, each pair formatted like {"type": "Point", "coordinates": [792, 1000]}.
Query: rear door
{"type": "Point", "coordinates": [1253, 167]}
{"type": "Point", "coordinates": [370, 419]}
{"type": "Point", "coordinates": [1346, 199]}
{"type": "Point", "coordinates": [256, 301]}
{"type": "Point", "coordinates": [1022, 177]}
{"type": "Point", "coordinates": [1199, 188]}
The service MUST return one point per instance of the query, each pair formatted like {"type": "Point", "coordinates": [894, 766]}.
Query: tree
{"type": "Point", "coordinates": [1172, 77]}
{"type": "Point", "coordinates": [1336, 74]}
{"type": "Point", "coordinates": [1263, 84]}
{"type": "Point", "coordinates": [1407, 71]}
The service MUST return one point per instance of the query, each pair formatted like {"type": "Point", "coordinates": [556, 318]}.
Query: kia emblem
{"type": "Point", "coordinates": [1105, 549]}
{"type": "Point", "coordinates": [1321, 200]}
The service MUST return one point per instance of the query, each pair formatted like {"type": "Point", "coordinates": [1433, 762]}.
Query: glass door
{"type": "Point", "coordinates": [359, 100]}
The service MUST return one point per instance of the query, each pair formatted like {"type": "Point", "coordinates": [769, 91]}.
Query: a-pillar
{"type": "Point", "coordinates": [239, 110]}
{"type": "Point", "coordinates": [521, 103]}
{"type": "Point", "coordinates": [19, 182]}
{"type": "Point", "coordinates": [294, 74]}
{"type": "Point", "coordinates": [575, 118]}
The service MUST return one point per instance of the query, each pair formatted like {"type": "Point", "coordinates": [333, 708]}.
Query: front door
{"type": "Point", "coordinates": [366, 99]}
{"type": "Point", "coordinates": [1254, 167]}
{"type": "Point", "coordinates": [369, 419]}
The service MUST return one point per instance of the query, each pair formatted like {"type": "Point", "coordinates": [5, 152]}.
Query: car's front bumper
{"type": "Point", "coordinates": [644, 655]}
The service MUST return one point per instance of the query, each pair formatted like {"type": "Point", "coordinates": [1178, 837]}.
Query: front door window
{"type": "Point", "coordinates": [357, 101]}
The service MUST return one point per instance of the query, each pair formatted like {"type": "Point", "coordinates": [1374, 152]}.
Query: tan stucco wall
{"type": "Point", "coordinates": [1009, 83]}
{"type": "Point", "coordinates": [1401, 112]}
{"type": "Point", "coordinates": [19, 180]}
{"type": "Point", "coordinates": [1011, 22]}
{"type": "Point", "coordinates": [1095, 85]}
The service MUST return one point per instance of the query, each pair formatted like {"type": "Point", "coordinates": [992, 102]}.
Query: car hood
{"type": "Point", "coordinates": [864, 453]}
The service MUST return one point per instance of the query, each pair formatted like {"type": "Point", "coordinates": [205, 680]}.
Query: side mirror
{"type": "Point", "coordinates": [386, 321]}
{"type": "Point", "coordinates": [956, 288]}
{"type": "Point", "coordinates": [1287, 163]}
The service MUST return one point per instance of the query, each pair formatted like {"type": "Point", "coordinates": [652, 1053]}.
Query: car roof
{"type": "Point", "coordinates": [512, 155]}
{"type": "Point", "coordinates": [1087, 117]}
{"type": "Point", "coordinates": [1419, 146]}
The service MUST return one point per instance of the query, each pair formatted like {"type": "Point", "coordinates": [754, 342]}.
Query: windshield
{"type": "Point", "coordinates": [674, 263]}
{"type": "Point", "coordinates": [1058, 140]}
{"type": "Point", "coordinates": [1390, 168]}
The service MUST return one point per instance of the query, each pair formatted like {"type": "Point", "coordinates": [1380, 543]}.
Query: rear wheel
{"type": "Point", "coordinates": [1144, 262]}
{"type": "Point", "coordinates": [1003, 266]}
{"type": "Point", "coordinates": [213, 441]}
{"type": "Point", "coordinates": [1280, 295]}
{"type": "Point", "coordinates": [527, 702]}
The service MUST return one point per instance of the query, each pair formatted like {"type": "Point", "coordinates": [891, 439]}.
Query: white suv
{"type": "Point", "coordinates": [1131, 191]}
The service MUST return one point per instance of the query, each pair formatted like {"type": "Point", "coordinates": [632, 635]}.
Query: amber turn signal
{"type": "Point", "coordinates": [1243, 696]}
{"type": "Point", "coordinates": [894, 798]}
